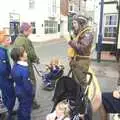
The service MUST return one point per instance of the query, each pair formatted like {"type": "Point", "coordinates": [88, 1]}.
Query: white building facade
{"type": "Point", "coordinates": [44, 15]}
{"type": "Point", "coordinates": [110, 21]}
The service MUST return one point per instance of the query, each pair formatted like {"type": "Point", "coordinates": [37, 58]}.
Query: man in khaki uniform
{"type": "Point", "coordinates": [23, 40]}
{"type": "Point", "coordinates": [79, 54]}
{"type": "Point", "coordinates": [80, 48]}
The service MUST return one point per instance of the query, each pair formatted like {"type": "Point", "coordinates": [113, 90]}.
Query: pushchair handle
{"type": "Point", "coordinates": [62, 67]}
{"type": "Point", "coordinates": [87, 73]}
{"type": "Point", "coordinates": [90, 79]}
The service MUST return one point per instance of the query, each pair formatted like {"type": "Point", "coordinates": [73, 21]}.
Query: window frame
{"type": "Point", "coordinates": [31, 4]}
{"type": "Point", "coordinates": [50, 27]}
{"type": "Point", "coordinates": [110, 26]}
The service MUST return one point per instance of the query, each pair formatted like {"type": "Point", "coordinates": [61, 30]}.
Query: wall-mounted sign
{"type": "Point", "coordinates": [14, 17]}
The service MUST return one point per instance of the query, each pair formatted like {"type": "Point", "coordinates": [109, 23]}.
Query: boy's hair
{"type": "Point", "coordinates": [64, 106]}
{"type": "Point", "coordinates": [16, 53]}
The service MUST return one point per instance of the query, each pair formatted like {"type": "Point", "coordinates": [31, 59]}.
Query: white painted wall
{"type": "Point", "coordinates": [64, 26]}
{"type": "Point", "coordinates": [108, 8]}
{"type": "Point", "coordinates": [38, 15]}
{"type": "Point", "coordinates": [10, 6]}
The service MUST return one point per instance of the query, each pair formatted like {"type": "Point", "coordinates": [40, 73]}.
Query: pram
{"type": "Point", "coordinates": [49, 76]}
{"type": "Point", "coordinates": [68, 89]}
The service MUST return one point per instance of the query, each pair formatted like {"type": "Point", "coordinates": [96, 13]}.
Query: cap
{"type": "Point", "coordinates": [24, 26]}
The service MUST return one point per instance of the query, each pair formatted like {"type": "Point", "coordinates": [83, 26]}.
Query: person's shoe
{"type": "Point", "coordinates": [49, 88]}
{"type": "Point", "coordinates": [35, 105]}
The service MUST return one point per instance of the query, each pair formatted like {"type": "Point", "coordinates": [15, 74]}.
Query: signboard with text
{"type": "Point", "coordinates": [14, 17]}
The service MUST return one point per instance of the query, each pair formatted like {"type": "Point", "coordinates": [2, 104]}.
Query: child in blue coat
{"type": "Point", "coordinates": [54, 71]}
{"type": "Point", "coordinates": [23, 86]}
{"type": "Point", "coordinates": [6, 83]}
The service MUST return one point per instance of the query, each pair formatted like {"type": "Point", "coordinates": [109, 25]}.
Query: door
{"type": "Point", "coordinates": [14, 30]}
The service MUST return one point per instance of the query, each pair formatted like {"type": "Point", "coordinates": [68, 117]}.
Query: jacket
{"type": "Point", "coordinates": [82, 44]}
{"type": "Point", "coordinates": [23, 85]}
{"type": "Point", "coordinates": [22, 40]}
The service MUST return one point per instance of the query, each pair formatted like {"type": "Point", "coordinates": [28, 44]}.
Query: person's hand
{"type": "Point", "coordinates": [116, 94]}
{"type": "Point", "coordinates": [37, 61]}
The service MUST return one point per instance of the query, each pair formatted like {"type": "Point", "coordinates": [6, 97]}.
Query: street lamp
{"type": "Point", "coordinates": [100, 35]}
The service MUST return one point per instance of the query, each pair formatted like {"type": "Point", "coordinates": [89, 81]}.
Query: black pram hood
{"type": "Point", "coordinates": [65, 87]}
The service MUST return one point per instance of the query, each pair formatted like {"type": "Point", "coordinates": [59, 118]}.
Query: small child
{"type": "Point", "coordinates": [55, 67]}
{"type": "Point", "coordinates": [23, 85]}
{"type": "Point", "coordinates": [54, 71]}
{"type": "Point", "coordinates": [61, 112]}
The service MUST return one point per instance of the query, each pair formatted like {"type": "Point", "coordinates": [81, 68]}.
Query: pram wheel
{"type": "Point", "coordinates": [48, 87]}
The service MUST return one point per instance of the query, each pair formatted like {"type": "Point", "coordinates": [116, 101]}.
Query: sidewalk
{"type": "Point", "coordinates": [105, 56]}
{"type": "Point", "coordinates": [50, 41]}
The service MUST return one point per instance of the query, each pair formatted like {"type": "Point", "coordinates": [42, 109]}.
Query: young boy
{"type": "Point", "coordinates": [6, 83]}
{"type": "Point", "coordinates": [23, 85]}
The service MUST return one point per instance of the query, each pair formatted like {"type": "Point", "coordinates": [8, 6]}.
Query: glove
{"type": "Point", "coordinates": [37, 61]}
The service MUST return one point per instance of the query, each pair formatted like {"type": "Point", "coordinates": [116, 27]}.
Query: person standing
{"type": "Point", "coordinates": [23, 86]}
{"type": "Point", "coordinates": [79, 54]}
{"type": "Point", "coordinates": [80, 46]}
{"type": "Point", "coordinates": [6, 82]}
{"type": "Point", "coordinates": [23, 40]}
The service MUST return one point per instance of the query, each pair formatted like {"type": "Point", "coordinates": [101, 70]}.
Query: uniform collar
{"type": "Point", "coordinates": [23, 63]}
{"type": "Point", "coordinates": [22, 35]}
{"type": "Point", "coordinates": [2, 46]}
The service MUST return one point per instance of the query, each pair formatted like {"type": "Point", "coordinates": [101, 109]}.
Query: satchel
{"type": "Point", "coordinates": [79, 66]}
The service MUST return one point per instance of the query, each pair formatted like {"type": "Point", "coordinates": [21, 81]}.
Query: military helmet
{"type": "Point", "coordinates": [82, 20]}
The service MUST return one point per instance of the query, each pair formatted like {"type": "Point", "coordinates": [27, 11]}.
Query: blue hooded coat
{"type": "Point", "coordinates": [24, 90]}
{"type": "Point", "coordinates": [6, 83]}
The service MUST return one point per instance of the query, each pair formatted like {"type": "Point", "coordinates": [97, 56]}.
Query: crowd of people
{"type": "Point", "coordinates": [19, 80]}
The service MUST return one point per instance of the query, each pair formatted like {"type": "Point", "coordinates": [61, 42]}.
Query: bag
{"type": "Point", "coordinates": [79, 66]}
{"type": "Point", "coordinates": [67, 89]}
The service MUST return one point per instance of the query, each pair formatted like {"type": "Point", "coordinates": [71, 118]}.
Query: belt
{"type": "Point", "coordinates": [78, 57]}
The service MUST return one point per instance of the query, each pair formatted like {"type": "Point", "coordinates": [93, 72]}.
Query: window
{"type": "Point", "coordinates": [50, 26]}
{"type": "Point", "coordinates": [33, 27]}
{"type": "Point", "coordinates": [71, 8]}
{"type": "Point", "coordinates": [31, 4]}
{"type": "Point", "coordinates": [110, 28]}
{"type": "Point", "coordinates": [52, 8]}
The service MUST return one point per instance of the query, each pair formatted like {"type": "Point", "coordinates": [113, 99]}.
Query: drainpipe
{"type": "Point", "coordinates": [100, 35]}
{"type": "Point", "coordinates": [79, 6]}
{"type": "Point", "coordinates": [118, 32]}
